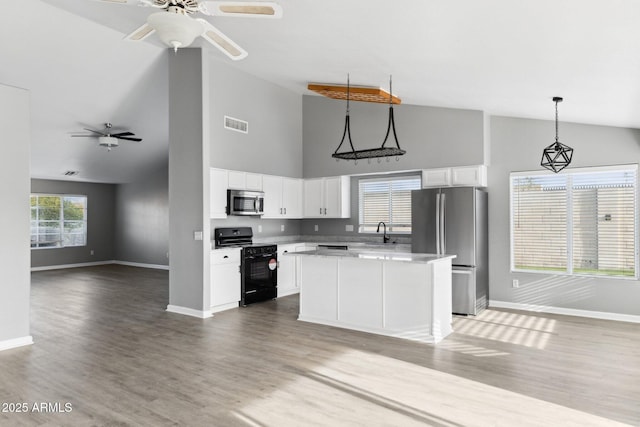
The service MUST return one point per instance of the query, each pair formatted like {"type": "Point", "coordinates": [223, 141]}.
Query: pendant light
{"type": "Point", "coordinates": [557, 156]}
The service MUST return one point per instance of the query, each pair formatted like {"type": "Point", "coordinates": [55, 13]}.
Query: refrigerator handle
{"type": "Point", "coordinates": [438, 243]}
{"type": "Point", "coordinates": [443, 216]}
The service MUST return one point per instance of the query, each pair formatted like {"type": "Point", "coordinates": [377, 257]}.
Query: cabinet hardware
{"type": "Point", "coordinates": [226, 256]}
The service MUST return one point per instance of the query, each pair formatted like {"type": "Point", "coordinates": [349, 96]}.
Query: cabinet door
{"type": "Point", "coordinates": [475, 176]}
{"type": "Point", "coordinates": [253, 181]}
{"type": "Point", "coordinates": [218, 193]}
{"type": "Point", "coordinates": [286, 271]}
{"type": "Point", "coordinates": [336, 199]}
{"type": "Point", "coordinates": [237, 180]}
{"type": "Point", "coordinates": [436, 178]}
{"type": "Point", "coordinates": [292, 197]}
{"type": "Point", "coordinates": [225, 284]}
{"type": "Point", "coordinates": [313, 198]}
{"type": "Point", "coordinates": [272, 187]}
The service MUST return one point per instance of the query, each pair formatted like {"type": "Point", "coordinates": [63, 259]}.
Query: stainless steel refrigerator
{"type": "Point", "coordinates": [454, 221]}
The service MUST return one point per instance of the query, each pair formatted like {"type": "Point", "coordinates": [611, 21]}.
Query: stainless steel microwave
{"type": "Point", "coordinates": [241, 202]}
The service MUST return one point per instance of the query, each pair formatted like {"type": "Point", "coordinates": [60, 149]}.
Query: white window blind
{"type": "Point", "coordinates": [580, 222]}
{"type": "Point", "coordinates": [58, 220]}
{"type": "Point", "coordinates": [388, 200]}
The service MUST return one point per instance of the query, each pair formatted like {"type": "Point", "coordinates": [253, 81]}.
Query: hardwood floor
{"type": "Point", "coordinates": [105, 345]}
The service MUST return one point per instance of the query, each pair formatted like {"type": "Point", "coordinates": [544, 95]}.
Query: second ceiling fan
{"type": "Point", "coordinates": [176, 27]}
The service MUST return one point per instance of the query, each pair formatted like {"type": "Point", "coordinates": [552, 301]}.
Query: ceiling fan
{"type": "Point", "coordinates": [176, 28]}
{"type": "Point", "coordinates": [108, 139]}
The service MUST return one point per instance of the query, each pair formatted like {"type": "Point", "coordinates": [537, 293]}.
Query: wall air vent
{"type": "Point", "coordinates": [71, 173]}
{"type": "Point", "coordinates": [236, 124]}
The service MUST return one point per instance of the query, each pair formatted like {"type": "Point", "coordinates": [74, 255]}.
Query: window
{"type": "Point", "coordinates": [58, 221]}
{"type": "Point", "coordinates": [580, 222]}
{"type": "Point", "coordinates": [386, 199]}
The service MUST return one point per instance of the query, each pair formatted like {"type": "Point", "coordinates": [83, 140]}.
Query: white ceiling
{"type": "Point", "coordinates": [504, 57]}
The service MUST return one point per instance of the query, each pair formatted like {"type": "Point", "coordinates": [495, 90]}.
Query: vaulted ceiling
{"type": "Point", "coordinates": [501, 56]}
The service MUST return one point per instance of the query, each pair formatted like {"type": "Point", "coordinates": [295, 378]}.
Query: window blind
{"type": "Point", "coordinates": [580, 222]}
{"type": "Point", "coordinates": [387, 200]}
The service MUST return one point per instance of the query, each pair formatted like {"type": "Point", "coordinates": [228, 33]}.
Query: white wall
{"type": "Point", "coordinates": [516, 145]}
{"type": "Point", "coordinates": [15, 281]}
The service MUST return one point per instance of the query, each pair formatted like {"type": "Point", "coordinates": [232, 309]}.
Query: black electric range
{"type": "Point", "coordinates": [259, 264]}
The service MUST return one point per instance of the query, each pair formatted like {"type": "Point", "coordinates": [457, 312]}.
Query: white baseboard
{"type": "Point", "coordinates": [202, 314]}
{"type": "Point", "coordinates": [93, 264]}
{"type": "Point", "coordinates": [566, 311]}
{"type": "Point", "coordinates": [61, 266]}
{"type": "Point", "coordinates": [142, 265]}
{"type": "Point", "coordinates": [16, 342]}
{"type": "Point", "coordinates": [288, 292]}
{"type": "Point", "coordinates": [223, 307]}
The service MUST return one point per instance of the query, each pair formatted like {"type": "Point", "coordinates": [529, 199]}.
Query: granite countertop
{"type": "Point", "coordinates": [379, 255]}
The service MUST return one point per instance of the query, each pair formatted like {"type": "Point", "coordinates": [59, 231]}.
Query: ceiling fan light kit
{"type": "Point", "coordinates": [556, 156]}
{"type": "Point", "coordinates": [369, 153]}
{"type": "Point", "coordinates": [175, 29]}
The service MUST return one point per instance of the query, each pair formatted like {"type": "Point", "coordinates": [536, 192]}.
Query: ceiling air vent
{"type": "Point", "coordinates": [71, 173]}
{"type": "Point", "coordinates": [236, 124]}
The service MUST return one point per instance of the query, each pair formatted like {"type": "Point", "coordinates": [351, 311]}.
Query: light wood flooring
{"type": "Point", "coordinates": [105, 344]}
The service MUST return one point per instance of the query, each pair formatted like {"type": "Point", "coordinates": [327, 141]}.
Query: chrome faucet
{"type": "Point", "coordinates": [385, 238]}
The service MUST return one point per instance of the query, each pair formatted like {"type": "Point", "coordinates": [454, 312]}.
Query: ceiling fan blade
{"type": "Point", "coordinates": [80, 135]}
{"type": "Point", "coordinates": [245, 9]}
{"type": "Point", "coordinates": [95, 131]}
{"type": "Point", "coordinates": [141, 33]}
{"type": "Point", "coordinates": [119, 134]}
{"type": "Point", "coordinates": [222, 42]}
{"type": "Point", "coordinates": [126, 138]}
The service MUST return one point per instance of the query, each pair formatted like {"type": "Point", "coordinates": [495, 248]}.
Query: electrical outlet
{"type": "Point", "coordinates": [348, 227]}
{"type": "Point", "coordinates": [91, 252]}
{"type": "Point", "coordinates": [281, 227]}
{"type": "Point", "coordinates": [315, 227]}
{"type": "Point", "coordinates": [259, 228]}
{"type": "Point", "coordinates": [515, 283]}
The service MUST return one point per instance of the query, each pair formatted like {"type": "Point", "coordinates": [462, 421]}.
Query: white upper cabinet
{"type": "Point", "coordinates": [282, 197]}
{"type": "Point", "coordinates": [436, 178]}
{"type": "Point", "coordinates": [245, 181]}
{"type": "Point", "coordinates": [218, 185]}
{"type": "Point", "coordinates": [327, 197]}
{"type": "Point", "coordinates": [467, 176]}
{"type": "Point", "coordinates": [292, 197]}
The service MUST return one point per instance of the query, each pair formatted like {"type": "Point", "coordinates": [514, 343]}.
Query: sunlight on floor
{"type": "Point", "coordinates": [512, 328]}
{"type": "Point", "coordinates": [452, 345]}
{"type": "Point", "coordinates": [358, 388]}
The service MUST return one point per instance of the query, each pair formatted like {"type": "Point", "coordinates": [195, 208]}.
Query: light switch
{"type": "Point", "coordinates": [197, 235]}
{"type": "Point", "coordinates": [348, 227]}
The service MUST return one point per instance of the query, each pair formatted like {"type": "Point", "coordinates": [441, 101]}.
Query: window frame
{"type": "Point", "coordinates": [569, 270]}
{"type": "Point", "coordinates": [62, 221]}
{"type": "Point", "coordinates": [384, 178]}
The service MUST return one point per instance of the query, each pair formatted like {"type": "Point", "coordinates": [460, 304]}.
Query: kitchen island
{"type": "Point", "coordinates": [405, 295]}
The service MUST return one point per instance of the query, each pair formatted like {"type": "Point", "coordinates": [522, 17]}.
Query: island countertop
{"type": "Point", "coordinates": [375, 255]}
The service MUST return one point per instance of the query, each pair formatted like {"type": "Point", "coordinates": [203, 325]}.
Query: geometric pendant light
{"type": "Point", "coordinates": [557, 156]}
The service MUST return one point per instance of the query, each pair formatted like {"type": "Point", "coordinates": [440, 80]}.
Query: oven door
{"type": "Point", "coordinates": [259, 278]}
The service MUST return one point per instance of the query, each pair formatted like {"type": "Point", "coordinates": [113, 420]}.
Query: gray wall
{"type": "Point", "coordinates": [516, 145]}
{"type": "Point", "coordinates": [274, 142]}
{"type": "Point", "coordinates": [101, 228]}
{"type": "Point", "coordinates": [188, 180]}
{"type": "Point", "coordinates": [15, 281]}
{"type": "Point", "coordinates": [142, 219]}
{"type": "Point", "coordinates": [273, 145]}
{"type": "Point", "coordinates": [433, 137]}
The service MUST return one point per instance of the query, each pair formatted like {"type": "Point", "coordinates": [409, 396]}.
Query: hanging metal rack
{"type": "Point", "coordinates": [370, 153]}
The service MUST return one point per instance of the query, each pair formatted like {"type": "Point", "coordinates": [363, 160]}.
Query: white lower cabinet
{"type": "Point", "coordinates": [225, 279]}
{"type": "Point", "coordinates": [287, 283]}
